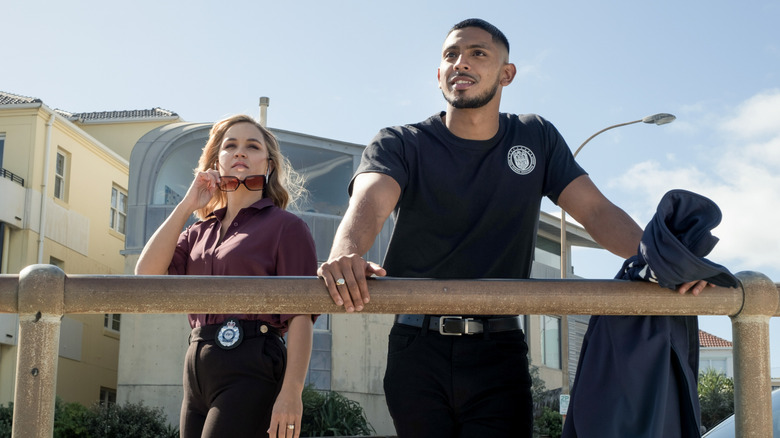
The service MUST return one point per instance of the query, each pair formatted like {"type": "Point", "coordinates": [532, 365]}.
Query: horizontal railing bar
{"type": "Point", "coordinates": [144, 294]}
{"type": "Point", "coordinates": [42, 292]}
{"type": "Point", "coordinates": [209, 294]}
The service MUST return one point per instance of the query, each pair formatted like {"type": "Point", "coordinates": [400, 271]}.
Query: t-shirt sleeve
{"type": "Point", "coordinates": [562, 169]}
{"type": "Point", "coordinates": [385, 154]}
{"type": "Point", "coordinates": [296, 255]}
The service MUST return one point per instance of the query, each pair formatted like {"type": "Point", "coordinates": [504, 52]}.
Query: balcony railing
{"type": "Point", "coordinates": [42, 294]}
{"type": "Point", "coordinates": [13, 177]}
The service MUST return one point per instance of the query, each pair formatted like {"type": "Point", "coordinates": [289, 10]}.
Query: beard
{"type": "Point", "coordinates": [461, 102]}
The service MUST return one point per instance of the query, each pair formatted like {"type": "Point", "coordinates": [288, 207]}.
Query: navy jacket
{"type": "Point", "coordinates": [637, 375]}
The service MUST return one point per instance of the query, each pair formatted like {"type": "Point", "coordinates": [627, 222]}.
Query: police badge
{"type": "Point", "coordinates": [230, 334]}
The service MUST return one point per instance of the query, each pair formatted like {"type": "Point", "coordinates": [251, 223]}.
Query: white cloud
{"type": "Point", "coordinates": [743, 180]}
{"type": "Point", "coordinates": [757, 117]}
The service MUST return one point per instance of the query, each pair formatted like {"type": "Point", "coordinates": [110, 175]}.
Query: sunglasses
{"type": "Point", "coordinates": [231, 183]}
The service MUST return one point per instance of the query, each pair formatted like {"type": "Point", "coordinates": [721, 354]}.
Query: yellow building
{"type": "Point", "coordinates": [63, 191]}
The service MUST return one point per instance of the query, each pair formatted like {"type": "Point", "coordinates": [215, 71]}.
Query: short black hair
{"type": "Point", "coordinates": [498, 36]}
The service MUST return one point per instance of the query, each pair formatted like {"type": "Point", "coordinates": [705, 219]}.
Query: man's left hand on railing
{"type": "Point", "coordinates": [694, 287]}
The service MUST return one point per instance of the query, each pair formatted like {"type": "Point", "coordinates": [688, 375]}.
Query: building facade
{"type": "Point", "coordinates": [716, 353]}
{"type": "Point", "coordinates": [64, 197]}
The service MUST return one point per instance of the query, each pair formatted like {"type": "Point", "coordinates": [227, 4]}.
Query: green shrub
{"type": "Point", "coordinates": [70, 419]}
{"type": "Point", "coordinates": [6, 418]}
{"type": "Point", "coordinates": [550, 423]}
{"type": "Point", "coordinates": [332, 414]}
{"type": "Point", "coordinates": [73, 420]}
{"type": "Point", "coordinates": [716, 397]}
{"type": "Point", "coordinates": [129, 420]}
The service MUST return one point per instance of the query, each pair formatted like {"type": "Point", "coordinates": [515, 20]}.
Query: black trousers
{"type": "Point", "coordinates": [469, 386]}
{"type": "Point", "coordinates": [231, 392]}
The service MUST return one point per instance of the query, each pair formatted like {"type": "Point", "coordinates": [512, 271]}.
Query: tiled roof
{"type": "Point", "coordinates": [119, 115]}
{"type": "Point", "coordinates": [708, 340]}
{"type": "Point", "coordinates": [15, 99]}
{"type": "Point", "coordinates": [154, 113]}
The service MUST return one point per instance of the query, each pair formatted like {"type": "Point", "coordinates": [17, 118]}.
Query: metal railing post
{"type": "Point", "coordinates": [41, 304]}
{"type": "Point", "coordinates": [752, 373]}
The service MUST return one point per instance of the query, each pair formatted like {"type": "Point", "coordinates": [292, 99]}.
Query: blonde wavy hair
{"type": "Point", "coordinates": [285, 186]}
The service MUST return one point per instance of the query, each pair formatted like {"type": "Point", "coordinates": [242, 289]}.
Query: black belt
{"type": "Point", "coordinates": [458, 325]}
{"type": "Point", "coordinates": [249, 329]}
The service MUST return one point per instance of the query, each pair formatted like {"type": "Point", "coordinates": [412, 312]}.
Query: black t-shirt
{"type": "Point", "coordinates": [468, 208]}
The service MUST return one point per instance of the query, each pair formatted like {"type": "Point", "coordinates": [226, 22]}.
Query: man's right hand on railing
{"type": "Point", "coordinates": [345, 278]}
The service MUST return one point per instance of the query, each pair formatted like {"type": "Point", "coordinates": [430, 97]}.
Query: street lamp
{"type": "Point", "coordinates": [656, 119]}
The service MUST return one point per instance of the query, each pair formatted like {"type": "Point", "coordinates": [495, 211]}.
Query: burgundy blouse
{"type": "Point", "coordinates": [263, 240]}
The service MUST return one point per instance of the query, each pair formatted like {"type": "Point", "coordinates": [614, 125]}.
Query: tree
{"type": "Point", "coordinates": [716, 397]}
{"type": "Point", "coordinates": [547, 421]}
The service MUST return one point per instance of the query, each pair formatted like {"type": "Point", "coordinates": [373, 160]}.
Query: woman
{"type": "Point", "coordinates": [238, 379]}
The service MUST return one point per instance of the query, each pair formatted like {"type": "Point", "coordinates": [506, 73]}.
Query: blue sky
{"type": "Point", "coordinates": [345, 69]}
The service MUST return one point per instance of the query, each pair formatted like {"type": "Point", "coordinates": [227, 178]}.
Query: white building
{"type": "Point", "coordinates": [715, 353]}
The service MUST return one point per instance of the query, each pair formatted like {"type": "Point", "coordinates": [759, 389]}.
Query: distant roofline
{"type": "Point", "coordinates": [155, 114]}
{"type": "Point", "coordinates": [709, 340]}
{"type": "Point", "coordinates": [16, 99]}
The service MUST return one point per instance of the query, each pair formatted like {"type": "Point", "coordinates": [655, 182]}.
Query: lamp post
{"type": "Point", "coordinates": [656, 119]}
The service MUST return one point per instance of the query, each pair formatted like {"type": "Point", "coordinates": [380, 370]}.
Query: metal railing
{"type": "Point", "coordinates": [12, 176]}
{"type": "Point", "coordinates": [42, 294]}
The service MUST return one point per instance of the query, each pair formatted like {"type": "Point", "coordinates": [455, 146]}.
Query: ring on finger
{"type": "Point", "coordinates": [340, 282]}
{"type": "Point", "coordinates": [291, 426]}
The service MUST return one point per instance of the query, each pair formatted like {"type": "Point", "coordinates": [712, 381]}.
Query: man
{"type": "Point", "coordinates": [465, 187]}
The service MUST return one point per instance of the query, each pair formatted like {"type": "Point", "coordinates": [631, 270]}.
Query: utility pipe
{"type": "Point", "coordinates": [44, 186]}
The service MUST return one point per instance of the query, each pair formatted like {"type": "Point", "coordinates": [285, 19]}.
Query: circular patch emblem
{"type": "Point", "coordinates": [229, 335]}
{"type": "Point", "coordinates": [521, 160]}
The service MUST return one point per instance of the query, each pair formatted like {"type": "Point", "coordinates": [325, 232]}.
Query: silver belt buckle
{"type": "Point", "coordinates": [441, 326]}
{"type": "Point", "coordinates": [230, 334]}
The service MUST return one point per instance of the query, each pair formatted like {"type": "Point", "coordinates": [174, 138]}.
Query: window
{"type": "Point", "coordinates": [118, 209]}
{"type": "Point", "coordinates": [2, 145]}
{"type": "Point", "coordinates": [547, 252]}
{"type": "Point", "coordinates": [111, 321]}
{"type": "Point", "coordinates": [107, 397]}
{"type": "Point", "coordinates": [551, 341]}
{"type": "Point", "coordinates": [327, 174]}
{"type": "Point", "coordinates": [719, 365]}
{"type": "Point", "coordinates": [322, 323]}
{"type": "Point", "coordinates": [60, 175]}
{"type": "Point", "coordinates": [175, 175]}
{"type": "Point", "coordinates": [57, 262]}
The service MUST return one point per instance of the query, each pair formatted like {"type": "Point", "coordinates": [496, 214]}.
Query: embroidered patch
{"type": "Point", "coordinates": [230, 334]}
{"type": "Point", "coordinates": [521, 160]}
